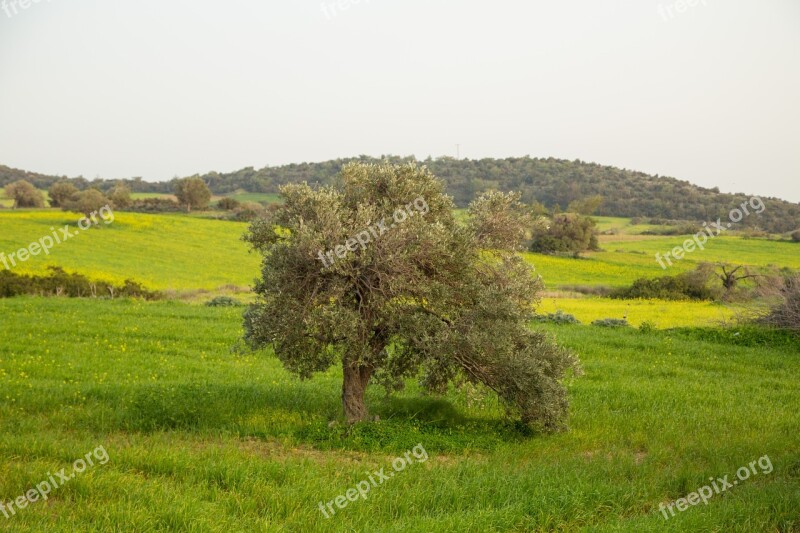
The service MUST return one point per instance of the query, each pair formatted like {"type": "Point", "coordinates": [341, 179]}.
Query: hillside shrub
{"type": "Point", "coordinates": [611, 323]}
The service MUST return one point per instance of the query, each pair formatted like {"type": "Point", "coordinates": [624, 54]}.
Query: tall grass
{"type": "Point", "coordinates": [202, 438]}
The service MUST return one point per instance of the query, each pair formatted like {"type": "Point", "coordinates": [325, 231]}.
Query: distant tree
{"type": "Point", "coordinates": [60, 192]}
{"type": "Point", "coordinates": [120, 196]}
{"type": "Point", "coordinates": [586, 206]}
{"type": "Point", "coordinates": [419, 295]}
{"type": "Point", "coordinates": [192, 193]}
{"type": "Point", "coordinates": [499, 220]}
{"type": "Point", "coordinates": [731, 276]}
{"type": "Point", "coordinates": [86, 202]}
{"type": "Point", "coordinates": [565, 233]}
{"type": "Point", "coordinates": [24, 194]}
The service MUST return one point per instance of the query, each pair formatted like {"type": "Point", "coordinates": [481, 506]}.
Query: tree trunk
{"type": "Point", "coordinates": [356, 379]}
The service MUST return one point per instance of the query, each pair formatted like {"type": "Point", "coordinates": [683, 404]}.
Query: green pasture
{"type": "Point", "coordinates": [203, 438]}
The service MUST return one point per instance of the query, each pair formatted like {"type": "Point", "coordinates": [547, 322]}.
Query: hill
{"type": "Point", "coordinates": [555, 183]}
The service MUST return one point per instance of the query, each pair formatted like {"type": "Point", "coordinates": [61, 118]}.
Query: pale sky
{"type": "Point", "coordinates": [709, 93]}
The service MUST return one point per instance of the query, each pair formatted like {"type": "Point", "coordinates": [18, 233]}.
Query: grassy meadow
{"type": "Point", "coordinates": [203, 436]}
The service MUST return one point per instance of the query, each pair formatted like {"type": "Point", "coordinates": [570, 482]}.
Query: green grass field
{"type": "Point", "coordinates": [662, 314]}
{"type": "Point", "coordinates": [202, 439]}
{"type": "Point", "coordinates": [173, 244]}
{"type": "Point", "coordinates": [162, 251]}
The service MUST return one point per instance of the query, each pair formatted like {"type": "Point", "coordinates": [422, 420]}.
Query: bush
{"type": "Point", "coordinates": [796, 235]}
{"type": "Point", "coordinates": [60, 283]}
{"type": "Point", "coordinates": [155, 205]}
{"type": "Point", "coordinates": [647, 327]}
{"type": "Point", "coordinates": [685, 228]}
{"type": "Point", "coordinates": [248, 211]}
{"type": "Point", "coordinates": [785, 314]}
{"type": "Point", "coordinates": [611, 323]}
{"type": "Point", "coordinates": [120, 196]}
{"type": "Point", "coordinates": [228, 204]}
{"type": "Point", "coordinates": [565, 233]}
{"type": "Point", "coordinates": [687, 286]}
{"type": "Point", "coordinates": [559, 317]}
{"type": "Point", "coordinates": [224, 301]}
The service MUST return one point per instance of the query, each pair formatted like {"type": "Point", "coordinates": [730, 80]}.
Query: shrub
{"type": "Point", "coordinates": [224, 301]}
{"type": "Point", "coordinates": [647, 327]}
{"type": "Point", "coordinates": [559, 317]}
{"type": "Point", "coordinates": [228, 204]}
{"type": "Point", "coordinates": [155, 205]}
{"type": "Point", "coordinates": [248, 211]}
{"type": "Point", "coordinates": [565, 233]}
{"type": "Point", "coordinates": [120, 196]}
{"type": "Point", "coordinates": [60, 283]}
{"type": "Point", "coordinates": [687, 286]}
{"type": "Point", "coordinates": [796, 235]}
{"type": "Point", "coordinates": [785, 314]}
{"type": "Point", "coordinates": [611, 323]}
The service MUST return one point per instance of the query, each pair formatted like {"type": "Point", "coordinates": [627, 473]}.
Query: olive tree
{"type": "Point", "coordinates": [192, 192]}
{"type": "Point", "coordinates": [412, 294]}
{"type": "Point", "coordinates": [60, 192]}
{"type": "Point", "coordinates": [86, 202]}
{"type": "Point", "coordinates": [120, 196]}
{"type": "Point", "coordinates": [24, 194]}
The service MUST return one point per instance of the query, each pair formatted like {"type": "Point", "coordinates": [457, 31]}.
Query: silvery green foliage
{"type": "Point", "coordinates": [424, 299]}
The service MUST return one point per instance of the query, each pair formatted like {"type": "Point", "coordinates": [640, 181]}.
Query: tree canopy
{"type": "Point", "coordinates": [24, 194]}
{"type": "Point", "coordinates": [192, 193]}
{"type": "Point", "coordinates": [419, 298]}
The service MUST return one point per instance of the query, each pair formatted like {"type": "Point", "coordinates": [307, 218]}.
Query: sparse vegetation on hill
{"type": "Point", "coordinates": [610, 191]}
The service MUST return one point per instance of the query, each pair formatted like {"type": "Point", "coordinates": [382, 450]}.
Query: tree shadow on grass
{"type": "Point", "coordinates": [305, 415]}
{"type": "Point", "coordinates": [188, 406]}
